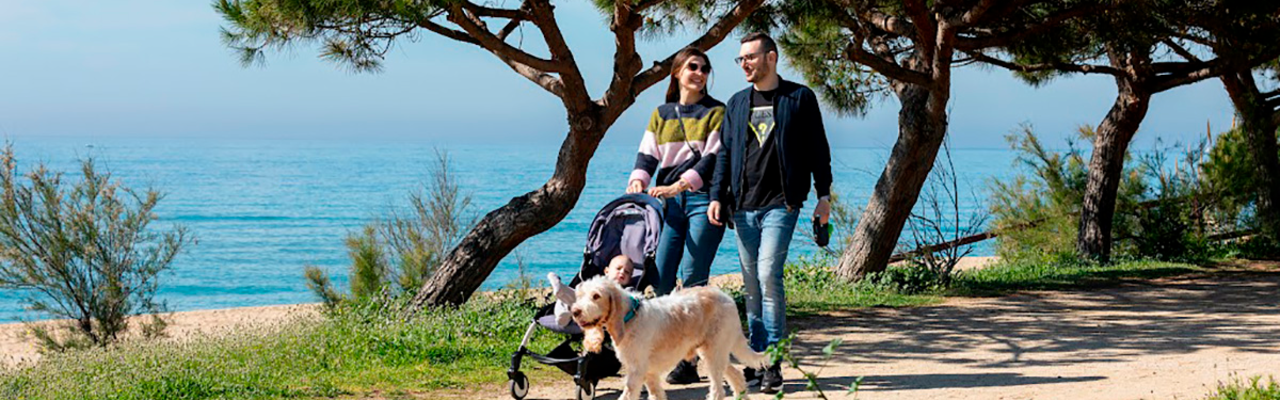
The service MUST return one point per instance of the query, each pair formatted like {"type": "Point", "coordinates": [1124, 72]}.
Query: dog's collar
{"type": "Point", "coordinates": [631, 314]}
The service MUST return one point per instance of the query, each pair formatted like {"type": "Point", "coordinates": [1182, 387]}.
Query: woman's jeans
{"type": "Point", "coordinates": [686, 228]}
{"type": "Point", "coordinates": [763, 238]}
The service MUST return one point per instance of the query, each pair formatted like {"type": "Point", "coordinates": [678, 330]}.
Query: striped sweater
{"type": "Point", "coordinates": [671, 151]}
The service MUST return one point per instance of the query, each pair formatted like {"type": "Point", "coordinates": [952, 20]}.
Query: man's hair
{"type": "Point", "coordinates": [765, 41]}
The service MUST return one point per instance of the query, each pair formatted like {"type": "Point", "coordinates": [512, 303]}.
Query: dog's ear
{"type": "Point", "coordinates": [618, 305]}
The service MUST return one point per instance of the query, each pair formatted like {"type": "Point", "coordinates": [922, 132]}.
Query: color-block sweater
{"type": "Point", "coordinates": [682, 141]}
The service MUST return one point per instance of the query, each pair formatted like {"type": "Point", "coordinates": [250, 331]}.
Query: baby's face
{"type": "Point", "coordinates": [619, 271]}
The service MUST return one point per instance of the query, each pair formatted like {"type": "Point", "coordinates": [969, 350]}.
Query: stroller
{"type": "Point", "coordinates": [630, 225]}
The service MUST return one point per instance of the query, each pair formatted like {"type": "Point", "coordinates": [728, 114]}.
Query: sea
{"type": "Point", "coordinates": [262, 209]}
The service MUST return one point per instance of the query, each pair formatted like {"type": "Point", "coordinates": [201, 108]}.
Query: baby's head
{"type": "Point", "coordinates": [620, 269]}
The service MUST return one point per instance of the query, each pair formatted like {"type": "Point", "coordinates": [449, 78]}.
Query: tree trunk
{"type": "Point", "coordinates": [1106, 167]}
{"type": "Point", "coordinates": [922, 124]}
{"type": "Point", "coordinates": [501, 230]}
{"type": "Point", "coordinates": [1259, 128]}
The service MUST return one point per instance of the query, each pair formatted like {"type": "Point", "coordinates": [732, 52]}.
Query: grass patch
{"type": "Point", "coordinates": [1253, 389]}
{"type": "Point", "coordinates": [1005, 278]}
{"type": "Point", "coordinates": [350, 352]}
{"type": "Point", "coordinates": [813, 287]}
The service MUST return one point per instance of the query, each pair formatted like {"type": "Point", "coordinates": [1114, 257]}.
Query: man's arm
{"type": "Point", "coordinates": [721, 175]}
{"type": "Point", "coordinates": [819, 152]}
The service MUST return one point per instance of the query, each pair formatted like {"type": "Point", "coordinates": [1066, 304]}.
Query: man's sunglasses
{"type": "Point", "coordinates": [705, 68]}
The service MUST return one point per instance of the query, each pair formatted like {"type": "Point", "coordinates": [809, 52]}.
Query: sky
{"type": "Point", "coordinates": [151, 69]}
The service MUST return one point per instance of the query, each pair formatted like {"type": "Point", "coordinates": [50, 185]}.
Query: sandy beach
{"type": "Point", "coordinates": [18, 346]}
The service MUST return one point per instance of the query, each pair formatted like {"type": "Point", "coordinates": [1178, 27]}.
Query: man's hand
{"type": "Point", "coordinates": [822, 211]}
{"type": "Point", "coordinates": [713, 213]}
{"type": "Point", "coordinates": [635, 186]}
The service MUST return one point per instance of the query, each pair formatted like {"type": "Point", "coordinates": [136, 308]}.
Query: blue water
{"type": "Point", "coordinates": [263, 209]}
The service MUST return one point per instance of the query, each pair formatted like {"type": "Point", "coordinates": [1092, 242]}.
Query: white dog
{"type": "Point", "coordinates": [652, 336]}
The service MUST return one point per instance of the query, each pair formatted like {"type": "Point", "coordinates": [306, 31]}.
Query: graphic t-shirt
{"type": "Point", "coordinates": [763, 169]}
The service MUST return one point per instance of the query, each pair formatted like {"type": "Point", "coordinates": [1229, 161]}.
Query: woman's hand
{"type": "Point", "coordinates": [635, 186]}
{"type": "Point", "coordinates": [665, 192]}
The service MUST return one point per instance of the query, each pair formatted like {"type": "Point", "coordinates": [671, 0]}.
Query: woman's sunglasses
{"type": "Point", "coordinates": [706, 69]}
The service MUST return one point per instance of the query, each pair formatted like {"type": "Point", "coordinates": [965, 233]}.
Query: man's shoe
{"type": "Point", "coordinates": [685, 373]}
{"type": "Point", "coordinates": [752, 375]}
{"type": "Point", "coordinates": [771, 381]}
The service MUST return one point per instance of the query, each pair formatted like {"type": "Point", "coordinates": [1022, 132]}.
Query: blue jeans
{"type": "Point", "coordinates": [686, 228]}
{"type": "Point", "coordinates": [763, 238]}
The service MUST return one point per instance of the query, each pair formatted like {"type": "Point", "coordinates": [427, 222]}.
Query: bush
{"type": "Point", "coordinates": [1253, 389]}
{"type": "Point", "coordinates": [1166, 208]}
{"type": "Point", "coordinates": [1170, 223]}
{"type": "Point", "coordinates": [1229, 171]}
{"type": "Point", "coordinates": [82, 251]}
{"type": "Point", "coordinates": [395, 256]}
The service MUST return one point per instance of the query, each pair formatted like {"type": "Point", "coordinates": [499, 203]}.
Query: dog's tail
{"type": "Point", "coordinates": [745, 355]}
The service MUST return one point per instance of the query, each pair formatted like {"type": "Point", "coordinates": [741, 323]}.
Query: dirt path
{"type": "Point", "coordinates": [1165, 339]}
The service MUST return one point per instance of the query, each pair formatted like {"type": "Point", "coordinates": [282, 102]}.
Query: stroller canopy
{"type": "Point", "coordinates": [631, 225]}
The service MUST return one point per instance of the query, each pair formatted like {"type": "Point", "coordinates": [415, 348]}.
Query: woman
{"type": "Point", "coordinates": [681, 144]}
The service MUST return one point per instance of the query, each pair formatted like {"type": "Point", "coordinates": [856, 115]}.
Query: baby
{"type": "Point", "coordinates": [619, 270]}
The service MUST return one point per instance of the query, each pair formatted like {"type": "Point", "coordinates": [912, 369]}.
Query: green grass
{"type": "Point", "coordinates": [812, 287]}
{"type": "Point", "coordinates": [357, 351]}
{"type": "Point", "coordinates": [353, 352]}
{"type": "Point", "coordinates": [1253, 389]}
{"type": "Point", "coordinates": [1005, 278]}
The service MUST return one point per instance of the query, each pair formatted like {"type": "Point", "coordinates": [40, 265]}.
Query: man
{"type": "Point", "coordinates": [773, 143]}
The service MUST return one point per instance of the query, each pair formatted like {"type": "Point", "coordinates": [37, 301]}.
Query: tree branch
{"type": "Point", "coordinates": [1181, 51]}
{"type": "Point", "coordinates": [575, 89]}
{"type": "Point", "coordinates": [626, 62]}
{"type": "Point", "coordinates": [508, 28]}
{"type": "Point", "coordinates": [475, 28]}
{"type": "Point", "coordinates": [1211, 69]}
{"type": "Point", "coordinates": [449, 33]}
{"type": "Point", "coordinates": [926, 30]}
{"type": "Point", "coordinates": [1026, 31]}
{"type": "Point", "coordinates": [855, 53]}
{"type": "Point", "coordinates": [534, 69]}
{"type": "Point", "coordinates": [714, 35]}
{"type": "Point", "coordinates": [975, 14]}
{"type": "Point", "coordinates": [489, 12]}
{"type": "Point", "coordinates": [1056, 66]}
{"type": "Point", "coordinates": [888, 23]}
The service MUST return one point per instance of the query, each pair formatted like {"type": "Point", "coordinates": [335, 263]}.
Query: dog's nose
{"type": "Point", "coordinates": [577, 313]}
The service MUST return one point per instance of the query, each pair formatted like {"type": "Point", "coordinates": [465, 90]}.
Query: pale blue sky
{"type": "Point", "coordinates": [151, 69]}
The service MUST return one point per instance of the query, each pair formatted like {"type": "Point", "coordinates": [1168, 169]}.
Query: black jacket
{"type": "Point", "coordinates": [801, 140]}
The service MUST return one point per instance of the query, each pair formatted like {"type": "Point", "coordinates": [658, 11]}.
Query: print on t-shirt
{"type": "Point", "coordinates": [762, 122]}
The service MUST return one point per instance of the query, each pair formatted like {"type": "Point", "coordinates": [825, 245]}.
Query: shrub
{"type": "Point", "coordinates": [1166, 208]}
{"type": "Point", "coordinates": [394, 256]}
{"type": "Point", "coordinates": [82, 251]}
{"type": "Point", "coordinates": [937, 219]}
{"type": "Point", "coordinates": [1253, 389]}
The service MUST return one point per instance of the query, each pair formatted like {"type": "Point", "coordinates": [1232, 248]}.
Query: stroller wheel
{"type": "Point", "coordinates": [587, 392]}
{"type": "Point", "coordinates": [519, 386]}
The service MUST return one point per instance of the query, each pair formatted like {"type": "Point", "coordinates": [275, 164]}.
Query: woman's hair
{"type": "Point", "coordinates": [677, 65]}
